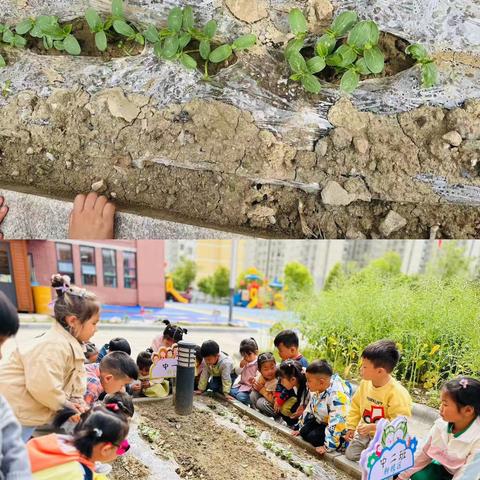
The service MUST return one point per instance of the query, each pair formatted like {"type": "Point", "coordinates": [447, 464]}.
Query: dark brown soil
{"type": "Point", "coordinates": [128, 467]}
{"type": "Point", "coordinates": [117, 46]}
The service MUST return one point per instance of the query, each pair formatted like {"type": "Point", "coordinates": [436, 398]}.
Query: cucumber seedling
{"type": "Point", "coordinates": [170, 43]}
{"type": "Point", "coordinates": [429, 69]}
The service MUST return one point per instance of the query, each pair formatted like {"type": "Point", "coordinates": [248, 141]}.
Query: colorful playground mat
{"type": "Point", "coordinates": [200, 313]}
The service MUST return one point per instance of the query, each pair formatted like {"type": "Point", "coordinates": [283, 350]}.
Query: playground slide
{"type": "Point", "coordinates": [253, 302]}
{"type": "Point", "coordinates": [176, 295]}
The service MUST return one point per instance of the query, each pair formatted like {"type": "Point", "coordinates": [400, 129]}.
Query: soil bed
{"type": "Point", "coordinates": [211, 444]}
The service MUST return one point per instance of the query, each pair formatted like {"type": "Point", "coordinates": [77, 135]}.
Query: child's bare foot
{"type": "Point", "coordinates": [3, 212]}
{"type": "Point", "coordinates": [91, 218]}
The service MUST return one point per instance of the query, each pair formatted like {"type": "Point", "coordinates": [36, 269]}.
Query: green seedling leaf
{"type": "Point", "coordinates": [19, 41]}
{"type": "Point", "coordinates": [297, 21]}
{"type": "Point", "coordinates": [348, 55]}
{"type": "Point", "coordinates": [334, 60]}
{"type": "Point", "coordinates": [54, 31]}
{"type": "Point", "coordinates": [58, 45]}
{"type": "Point", "coordinates": [93, 19]}
{"type": "Point", "coordinates": [325, 45]}
{"type": "Point", "coordinates": [294, 46]}
{"type": "Point", "coordinates": [123, 28]}
{"type": "Point", "coordinates": [220, 54]}
{"type": "Point", "coordinates": [108, 24]}
{"type": "Point", "coordinates": [36, 32]}
{"type": "Point", "coordinates": [350, 81]}
{"type": "Point", "coordinates": [244, 42]}
{"type": "Point", "coordinates": [24, 26]}
{"type": "Point", "coordinates": [296, 77]}
{"type": "Point", "coordinates": [188, 20]}
{"type": "Point", "coordinates": [361, 67]}
{"type": "Point", "coordinates": [364, 34]}
{"type": "Point", "coordinates": [2, 27]}
{"type": "Point", "coordinates": [204, 49]}
{"type": "Point", "coordinates": [210, 29]}
{"type": "Point", "coordinates": [316, 64]}
{"type": "Point", "coordinates": [3, 63]}
{"type": "Point", "coordinates": [374, 59]}
{"type": "Point", "coordinates": [311, 84]}
{"type": "Point", "coordinates": [175, 19]}
{"type": "Point", "coordinates": [297, 63]}
{"type": "Point", "coordinates": [417, 52]}
{"type": "Point", "coordinates": [67, 29]}
{"type": "Point", "coordinates": [71, 45]}
{"type": "Point", "coordinates": [139, 39]}
{"type": "Point", "coordinates": [158, 50]}
{"type": "Point", "coordinates": [429, 75]}
{"type": "Point", "coordinates": [343, 23]}
{"type": "Point", "coordinates": [184, 40]}
{"type": "Point", "coordinates": [151, 34]}
{"type": "Point", "coordinates": [8, 36]}
{"type": "Point", "coordinates": [117, 9]}
{"type": "Point", "coordinates": [170, 47]}
{"type": "Point", "coordinates": [188, 61]}
{"type": "Point", "coordinates": [46, 21]}
{"type": "Point", "coordinates": [101, 41]}
{"type": "Point", "coordinates": [47, 42]}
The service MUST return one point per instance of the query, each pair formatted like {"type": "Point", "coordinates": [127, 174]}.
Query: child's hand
{"type": "Point", "coordinates": [349, 435]}
{"type": "Point", "coordinates": [229, 398]}
{"type": "Point", "coordinates": [136, 387]}
{"type": "Point", "coordinates": [296, 433]}
{"type": "Point", "coordinates": [198, 392]}
{"type": "Point", "coordinates": [276, 407]}
{"type": "Point", "coordinates": [145, 384]}
{"type": "Point", "coordinates": [321, 450]}
{"type": "Point", "coordinates": [243, 363]}
{"type": "Point", "coordinates": [365, 429]}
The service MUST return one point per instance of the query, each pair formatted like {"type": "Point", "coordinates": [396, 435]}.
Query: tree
{"type": "Point", "coordinates": [220, 282]}
{"type": "Point", "coordinates": [184, 274]}
{"type": "Point", "coordinates": [450, 262]}
{"type": "Point", "coordinates": [205, 285]}
{"type": "Point", "coordinates": [298, 278]}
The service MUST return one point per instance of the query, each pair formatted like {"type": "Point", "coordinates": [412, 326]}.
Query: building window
{"type": "Point", "coordinates": [33, 278]}
{"type": "Point", "coordinates": [65, 260]}
{"type": "Point", "coordinates": [87, 265]}
{"type": "Point", "coordinates": [109, 268]}
{"type": "Point", "coordinates": [129, 270]}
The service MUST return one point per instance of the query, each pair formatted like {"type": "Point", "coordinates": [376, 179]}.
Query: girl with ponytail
{"type": "Point", "coordinates": [99, 437]}
{"type": "Point", "coordinates": [48, 374]}
{"type": "Point", "coordinates": [171, 334]}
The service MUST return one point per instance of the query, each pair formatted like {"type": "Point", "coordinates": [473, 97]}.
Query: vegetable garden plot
{"type": "Point", "coordinates": [250, 149]}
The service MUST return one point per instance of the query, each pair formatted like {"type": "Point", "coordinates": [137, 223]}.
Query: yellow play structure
{"type": "Point", "coordinates": [171, 293]}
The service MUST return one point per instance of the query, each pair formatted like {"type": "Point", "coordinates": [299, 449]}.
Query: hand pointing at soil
{"type": "Point", "coordinates": [91, 218]}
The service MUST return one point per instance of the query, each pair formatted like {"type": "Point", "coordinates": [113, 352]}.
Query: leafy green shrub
{"type": "Point", "coordinates": [349, 46]}
{"type": "Point", "coordinates": [103, 29]}
{"type": "Point", "coordinates": [170, 43]}
{"type": "Point", "coordinates": [435, 322]}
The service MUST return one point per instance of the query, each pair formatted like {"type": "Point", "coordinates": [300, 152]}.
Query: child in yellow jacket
{"type": "Point", "coordinates": [378, 396]}
{"type": "Point", "coordinates": [99, 437]}
{"type": "Point", "coordinates": [48, 374]}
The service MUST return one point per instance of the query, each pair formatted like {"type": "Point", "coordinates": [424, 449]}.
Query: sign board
{"type": "Point", "coordinates": [390, 452]}
{"type": "Point", "coordinates": [164, 363]}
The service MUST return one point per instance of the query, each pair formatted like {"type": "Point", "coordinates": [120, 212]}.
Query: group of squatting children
{"type": "Point", "coordinates": [65, 407]}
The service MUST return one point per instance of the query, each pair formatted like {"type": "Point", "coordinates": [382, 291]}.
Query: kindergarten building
{"type": "Point", "coordinates": [119, 272]}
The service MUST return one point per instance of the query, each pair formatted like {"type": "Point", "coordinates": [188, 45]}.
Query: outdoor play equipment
{"type": "Point", "coordinates": [172, 293]}
{"type": "Point", "coordinates": [276, 288]}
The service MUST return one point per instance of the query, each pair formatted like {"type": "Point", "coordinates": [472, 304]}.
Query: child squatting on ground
{"type": "Point", "coordinates": [378, 396]}
{"type": "Point", "coordinates": [247, 371]}
{"type": "Point", "coordinates": [217, 374]}
{"type": "Point", "coordinates": [111, 375]}
{"type": "Point", "coordinates": [287, 342]}
{"type": "Point", "coordinates": [265, 384]}
{"type": "Point", "coordinates": [145, 386]}
{"type": "Point", "coordinates": [452, 447]}
{"type": "Point", "coordinates": [324, 421]}
{"type": "Point", "coordinates": [48, 374]}
{"type": "Point", "coordinates": [14, 462]}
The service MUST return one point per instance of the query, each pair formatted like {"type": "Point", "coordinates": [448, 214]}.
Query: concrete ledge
{"type": "Point", "coordinates": [36, 217]}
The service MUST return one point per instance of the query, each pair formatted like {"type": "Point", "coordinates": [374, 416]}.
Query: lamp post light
{"type": "Point", "coordinates": [185, 378]}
